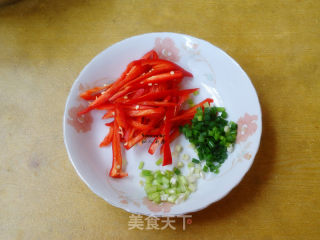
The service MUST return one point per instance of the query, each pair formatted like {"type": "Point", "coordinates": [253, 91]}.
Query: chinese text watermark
{"type": "Point", "coordinates": [154, 223]}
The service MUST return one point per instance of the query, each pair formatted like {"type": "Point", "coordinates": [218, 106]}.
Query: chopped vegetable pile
{"type": "Point", "coordinates": [162, 186]}
{"type": "Point", "coordinates": [211, 135]}
{"type": "Point", "coordinates": [146, 100]}
{"type": "Point", "coordinates": [171, 186]}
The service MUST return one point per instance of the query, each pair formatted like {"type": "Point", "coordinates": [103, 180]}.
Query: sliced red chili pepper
{"type": "Point", "coordinates": [155, 144]}
{"type": "Point", "coordinates": [163, 77]}
{"type": "Point", "coordinates": [158, 140]}
{"type": "Point", "coordinates": [108, 139]}
{"type": "Point", "coordinates": [120, 117]}
{"type": "Point", "coordinates": [128, 68]}
{"type": "Point", "coordinates": [140, 134]}
{"type": "Point", "coordinates": [159, 95]}
{"type": "Point", "coordinates": [127, 134]}
{"type": "Point", "coordinates": [133, 141]}
{"type": "Point", "coordinates": [183, 98]}
{"type": "Point", "coordinates": [145, 112]}
{"type": "Point", "coordinates": [109, 124]}
{"type": "Point", "coordinates": [157, 103]}
{"type": "Point", "coordinates": [106, 106]}
{"type": "Point", "coordinates": [155, 131]}
{"type": "Point", "coordinates": [150, 55]}
{"type": "Point", "coordinates": [135, 70]}
{"type": "Point", "coordinates": [93, 93]}
{"type": "Point", "coordinates": [116, 169]}
{"type": "Point", "coordinates": [186, 115]}
{"type": "Point", "coordinates": [161, 63]}
{"type": "Point", "coordinates": [173, 136]}
{"type": "Point", "coordinates": [167, 158]}
{"type": "Point", "coordinates": [109, 114]}
{"type": "Point", "coordinates": [150, 73]}
{"type": "Point", "coordinates": [119, 94]}
{"type": "Point", "coordinates": [139, 125]}
{"type": "Point", "coordinates": [136, 107]}
{"type": "Point", "coordinates": [137, 93]}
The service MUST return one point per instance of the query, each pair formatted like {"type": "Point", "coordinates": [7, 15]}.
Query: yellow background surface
{"type": "Point", "coordinates": [45, 44]}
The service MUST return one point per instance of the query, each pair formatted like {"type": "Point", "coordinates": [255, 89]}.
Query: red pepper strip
{"type": "Point", "coordinates": [108, 139]}
{"type": "Point", "coordinates": [157, 95]}
{"type": "Point", "coordinates": [131, 134]}
{"type": "Point", "coordinates": [133, 141]}
{"type": "Point", "coordinates": [145, 112]}
{"type": "Point", "coordinates": [185, 115]}
{"type": "Point", "coordinates": [155, 131]}
{"type": "Point", "coordinates": [109, 114]}
{"type": "Point", "coordinates": [119, 94]}
{"type": "Point", "coordinates": [182, 99]}
{"type": "Point", "coordinates": [137, 93]}
{"type": "Point", "coordinates": [158, 139]}
{"type": "Point", "coordinates": [150, 55]}
{"type": "Point", "coordinates": [134, 107]}
{"type": "Point", "coordinates": [151, 73]}
{"type": "Point", "coordinates": [120, 117]}
{"type": "Point", "coordinates": [156, 142]}
{"type": "Point", "coordinates": [92, 93]}
{"type": "Point", "coordinates": [173, 136]}
{"type": "Point", "coordinates": [162, 62]}
{"type": "Point", "coordinates": [156, 103]}
{"type": "Point", "coordinates": [127, 134]}
{"type": "Point", "coordinates": [139, 125]}
{"type": "Point", "coordinates": [128, 68]}
{"type": "Point", "coordinates": [134, 72]}
{"type": "Point", "coordinates": [106, 106]}
{"type": "Point", "coordinates": [110, 124]}
{"type": "Point", "coordinates": [194, 108]}
{"type": "Point", "coordinates": [139, 136]}
{"type": "Point", "coordinates": [167, 158]}
{"type": "Point", "coordinates": [116, 169]}
{"type": "Point", "coordinates": [163, 77]}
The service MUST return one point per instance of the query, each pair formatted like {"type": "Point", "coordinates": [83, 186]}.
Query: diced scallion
{"type": "Point", "coordinates": [141, 164]}
{"type": "Point", "coordinates": [167, 185]}
{"type": "Point", "coordinates": [211, 135]}
{"type": "Point", "coordinates": [159, 162]}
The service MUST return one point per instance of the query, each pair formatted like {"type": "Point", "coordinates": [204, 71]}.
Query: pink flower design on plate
{"type": "Point", "coordinates": [80, 123]}
{"type": "Point", "coordinates": [154, 207]}
{"type": "Point", "coordinates": [246, 127]}
{"type": "Point", "coordinates": [124, 201]}
{"type": "Point", "coordinates": [166, 49]}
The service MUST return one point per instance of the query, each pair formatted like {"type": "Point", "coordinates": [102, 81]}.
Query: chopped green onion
{"type": "Point", "coordinates": [159, 162]}
{"type": "Point", "coordinates": [178, 148]}
{"type": "Point", "coordinates": [185, 157]}
{"type": "Point", "coordinates": [145, 173]}
{"type": "Point", "coordinates": [220, 109]}
{"type": "Point", "coordinates": [141, 164]}
{"type": "Point", "coordinates": [180, 164]}
{"type": "Point", "coordinates": [195, 160]}
{"type": "Point", "coordinates": [211, 136]}
{"type": "Point", "coordinates": [190, 164]}
{"type": "Point", "coordinates": [176, 171]}
{"type": "Point", "coordinates": [224, 114]}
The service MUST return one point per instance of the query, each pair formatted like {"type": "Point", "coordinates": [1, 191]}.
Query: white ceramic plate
{"type": "Point", "coordinates": [218, 77]}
